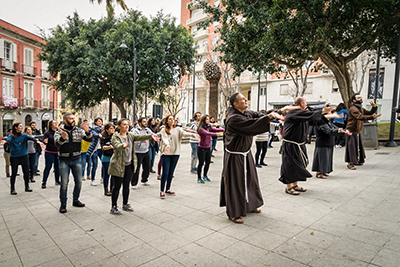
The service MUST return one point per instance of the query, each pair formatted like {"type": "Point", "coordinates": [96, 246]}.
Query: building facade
{"type": "Point", "coordinates": [26, 91]}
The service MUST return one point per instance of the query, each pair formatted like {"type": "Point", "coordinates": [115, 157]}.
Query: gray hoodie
{"type": "Point", "coordinates": [142, 146]}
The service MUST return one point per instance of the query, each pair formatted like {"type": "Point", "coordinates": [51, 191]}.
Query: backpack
{"type": "Point", "coordinates": [6, 148]}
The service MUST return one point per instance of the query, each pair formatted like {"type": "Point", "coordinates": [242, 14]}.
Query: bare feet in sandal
{"type": "Point", "coordinates": [322, 176]}
{"type": "Point", "coordinates": [299, 189]}
{"type": "Point", "coordinates": [236, 219]}
{"type": "Point", "coordinates": [291, 191]}
{"type": "Point", "coordinates": [256, 211]}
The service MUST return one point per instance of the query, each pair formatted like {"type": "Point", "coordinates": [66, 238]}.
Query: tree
{"type": "Point", "coordinates": [110, 7]}
{"type": "Point", "coordinates": [93, 67]}
{"type": "Point", "coordinates": [259, 34]}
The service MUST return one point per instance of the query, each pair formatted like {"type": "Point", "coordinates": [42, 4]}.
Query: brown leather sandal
{"type": "Point", "coordinates": [291, 191]}
{"type": "Point", "coordinates": [351, 166]}
{"type": "Point", "coordinates": [236, 219]}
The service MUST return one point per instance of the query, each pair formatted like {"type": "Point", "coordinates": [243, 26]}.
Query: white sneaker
{"type": "Point", "coordinates": [93, 183]}
{"type": "Point", "coordinates": [134, 186]}
{"type": "Point", "coordinates": [146, 183]}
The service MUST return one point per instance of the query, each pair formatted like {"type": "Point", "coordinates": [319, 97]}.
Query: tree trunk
{"type": "Point", "coordinates": [110, 110]}
{"type": "Point", "coordinates": [339, 68]}
{"type": "Point", "coordinates": [213, 107]}
{"type": "Point", "coordinates": [121, 108]}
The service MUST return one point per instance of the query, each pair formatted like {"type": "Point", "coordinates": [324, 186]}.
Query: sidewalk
{"type": "Point", "coordinates": [350, 219]}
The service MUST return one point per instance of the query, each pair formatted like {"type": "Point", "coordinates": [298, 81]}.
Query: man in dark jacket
{"type": "Point", "coordinates": [94, 149]}
{"type": "Point", "coordinates": [355, 154]}
{"type": "Point", "coordinates": [37, 134]}
{"type": "Point", "coordinates": [68, 140]}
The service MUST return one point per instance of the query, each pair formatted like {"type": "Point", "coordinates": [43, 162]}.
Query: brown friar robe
{"type": "Point", "coordinates": [294, 153]}
{"type": "Point", "coordinates": [239, 131]}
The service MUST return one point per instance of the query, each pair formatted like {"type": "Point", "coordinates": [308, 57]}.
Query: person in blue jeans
{"type": "Point", "coordinates": [171, 138]}
{"type": "Point", "coordinates": [95, 148]}
{"type": "Point", "coordinates": [50, 154]}
{"type": "Point", "coordinates": [68, 140]}
{"type": "Point", "coordinates": [108, 149]}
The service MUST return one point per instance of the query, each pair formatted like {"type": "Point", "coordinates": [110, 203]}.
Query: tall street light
{"type": "Point", "coordinates": [123, 45]}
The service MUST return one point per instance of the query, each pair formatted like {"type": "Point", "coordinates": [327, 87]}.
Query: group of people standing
{"type": "Point", "coordinates": [123, 151]}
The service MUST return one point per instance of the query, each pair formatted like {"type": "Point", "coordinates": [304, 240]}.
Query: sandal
{"type": "Point", "coordinates": [322, 176]}
{"type": "Point", "coordinates": [326, 174]}
{"type": "Point", "coordinates": [236, 219]}
{"type": "Point", "coordinates": [291, 191]}
{"type": "Point", "coordinates": [299, 189]}
{"type": "Point", "coordinates": [256, 211]}
{"type": "Point", "coordinates": [351, 166]}
{"type": "Point", "coordinates": [359, 164]}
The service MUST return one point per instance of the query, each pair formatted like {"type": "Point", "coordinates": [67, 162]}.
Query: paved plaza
{"type": "Point", "coordinates": [350, 219]}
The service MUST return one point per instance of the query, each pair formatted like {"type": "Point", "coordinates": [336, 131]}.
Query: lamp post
{"type": "Point", "coordinates": [123, 45]}
{"type": "Point", "coordinates": [54, 101]}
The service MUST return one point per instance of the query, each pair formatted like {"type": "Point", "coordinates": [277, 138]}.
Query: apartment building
{"type": "Point", "coordinates": [26, 91]}
{"type": "Point", "coordinates": [271, 91]}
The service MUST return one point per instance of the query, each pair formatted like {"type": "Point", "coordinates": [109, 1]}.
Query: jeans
{"type": "Point", "coordinates": [204, 159]}
{"type": "Point", "coordinates": [65, 167]}
{"type": "Point", "coordinates": [152, 153]}
{"type": "Point", "coordinates": [168, 167]}
{"type": "Point", "coordinates": [144, 160]}
{"type": "Point", "coordinates": [193, 163]}
{"type": "Point", "coordinates": [106, 176]}
{"type": "Point", "coordinates": [124, 181]}
{"type": "Point", "coordinates": [15, 162]}
{"type": "Point", "coordinates": [86, 159]}
{"type": "Point", "coordinates": [261, 149]}
{"type": "Point", "coordinates": [36, 163]}
{"type": "Point", "coordinates": [94, 160]}
{"type": "Point", "coordinates": [50, 159]}
{"type": "Point", "coordinates": [213, 143]}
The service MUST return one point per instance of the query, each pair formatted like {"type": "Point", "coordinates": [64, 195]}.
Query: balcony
{"type": "Point", "coordinates": [192, 5]}
{"type": "Point", "coordinates": [29, 70]}
{"type": "Point", "coordinates": [45, 74]}
{"type": "Point", "coordinates": [28, 102]}
{"type": "Point", "coordinates": [8, 65]}
{"type": "Point", "coordinates": [37, 103]}
{"type": "Point", "coordinates": [196, 19]}
{"type": "Point", "coordinates": [201, 34]}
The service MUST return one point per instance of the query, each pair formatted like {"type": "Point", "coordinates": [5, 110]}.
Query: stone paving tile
{"type": "Point", "coordinates": [245, 254]}
{"type": "Point", "coordinates": [89, 255]}
{"type": "Point", "coordinates": [35, 246]}
{"type": "Point", "coordinates": [169, 242]}
{"type": "Point", "coordinates": [162, 262]}
{"type": "Point", "coordinates": [352, 249]}
{"type": "Point", "coordinates": [78, 244]}
{"type": "Point", "coordinates": [317, 238]}
{"type": "Point", "coordinates": [216, 241]}
{"type": "Point", "coordinates": [13, 262]}
{"type": "Point", "coordinates": [113, 261]}
{"type": "Point", "coordinates": [387, 258]}
{"type": "Point", "coordinates": [139, 255]}
{"type": "Point", "coordinates": [276, 260]}
{"type": "Point", "coordinates": [7, 253]}
{"type": "Point", "coordinates": [299, 251]}
{"type": "Point", "coordinates": [265, 240]}
{"type": "Point", "coordinates": [367, 236]}
{"type": "Point", "coordinates": [194, 232]}
{"type": "Point", "coordinates": [44, 256]}
{"type": "Point", "coordinates": [393, 243]}
{"type": "Point", "coordinates": [327, 261]}
{"type": "Point", "coordinates": [62, 262]}
{"type": "Point", "coordinates": [195, 255]}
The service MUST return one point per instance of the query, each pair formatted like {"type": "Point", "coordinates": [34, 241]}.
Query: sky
{"type": "Point", "coordinates": [31, 15]}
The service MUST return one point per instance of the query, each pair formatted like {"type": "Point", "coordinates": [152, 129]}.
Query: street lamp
{"type": "Point", "coordinates": [123, 45]}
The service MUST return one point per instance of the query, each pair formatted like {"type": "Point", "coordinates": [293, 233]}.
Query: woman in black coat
{"type": "Point", "coordinates": [325, 141]}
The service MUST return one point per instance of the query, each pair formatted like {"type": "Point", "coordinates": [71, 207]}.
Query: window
{"type": "Point", "coordinates": [194, 29]}
{"type": "Point", "coordinates": [28, 60]}
{"type": "Point", "coordinates": [215, 57]}
{"type": "Point", "coordinates": [8, 52]}
{"type": "Point", "coordinates": [263, 91]}
{"type": "Point", "coordinates": [216, 3]}
{"type": "Point", "coordinates": [28, 93]}
{"type": "Point", "coordinates": [335, 87]}
{"type": "Point", "coordinates": [309, 89]}
{"type": "Point", "coordinates": [204, 43]}
{"type": "Point", "coordinates": [308, 64]}
{"type": "Point", "coordinates": [8, 87]}
{"type": "Point", "coordinates": [215, 40]}
{"type": "Point", "coordinates": [284, 89]}
{"type": "Point", "coordinates": [45, 95]}
{"type": "Point", "coordinates": [216, 24]}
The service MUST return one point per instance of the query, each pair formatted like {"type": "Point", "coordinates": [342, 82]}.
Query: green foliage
{"type": "Point", "coordinates": [93, 67]}
{"type": "Point", "coordinates": [274, 32]}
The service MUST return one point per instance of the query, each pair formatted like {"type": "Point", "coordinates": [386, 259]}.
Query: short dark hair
{"type": "Point", "coordinates": [98, 118]}
{"type": "Point", "coordinates": [32, 122]}
{"type": "Point", "coordinates": [121, 120]}
{"type": "Point", "coordinates": [140, 119]}
{"type": "Point", "coordinates": [353, 97]}
{"type": "Point", "coordinates": [233, 98]}
{"type": "Point", "coordinates": [195, 114]}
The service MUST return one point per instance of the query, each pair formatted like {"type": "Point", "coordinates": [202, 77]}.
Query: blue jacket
{"type": "Point", "coordinates": [95, 130]}
{"type": "Point", "coordinates": [19, 145]}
